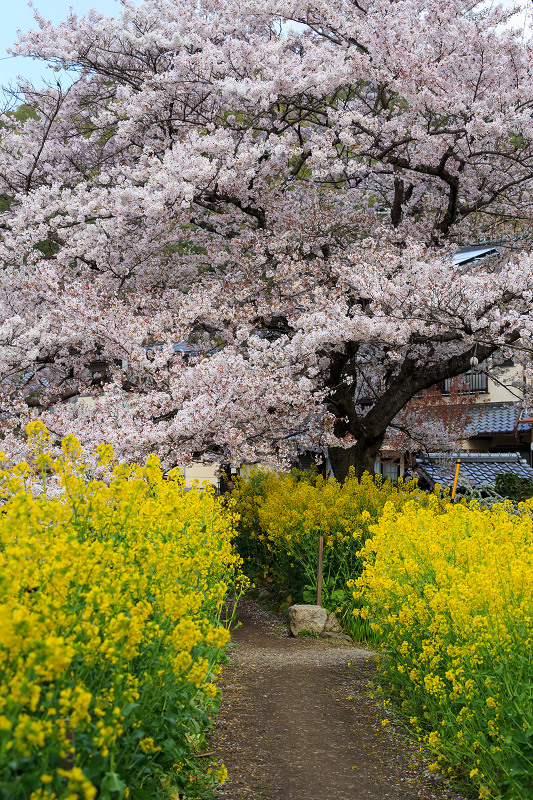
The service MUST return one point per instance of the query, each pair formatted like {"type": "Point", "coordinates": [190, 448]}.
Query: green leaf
{"type": "Point", "coordinates": [111, 784]}
{"type": "Point", "coordinates": [518, 768]}
{"type": "Point", "coordinates": [95, 766]}
{"type": "Point", "coordinates": [140, 794]}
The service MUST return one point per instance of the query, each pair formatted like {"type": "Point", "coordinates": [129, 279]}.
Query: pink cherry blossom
{"type": "Point", "coordinates": [282, 187]}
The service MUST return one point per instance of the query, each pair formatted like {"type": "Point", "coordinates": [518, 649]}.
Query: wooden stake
{"type": "Point", "coordinates": [455, 479]}
{"type": "Point", "coordinates": [319, 583]}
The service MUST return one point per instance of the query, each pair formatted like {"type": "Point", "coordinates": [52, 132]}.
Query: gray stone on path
{"type": "Point", "coordinates": [307, 618]}
{"type": "Point", "coordinates": [333, 624]}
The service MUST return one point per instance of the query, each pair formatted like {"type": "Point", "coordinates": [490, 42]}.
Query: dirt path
{"type": "Point", "coordinates": [297, 723]}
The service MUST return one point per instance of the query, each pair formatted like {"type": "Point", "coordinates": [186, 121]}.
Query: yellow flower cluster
{"type": "Point", "coordinates": [110, 601]}
{"type": "Point", "coordinates": [449, 590]}
{"type": "Point", "coordinates": [281, 518]}
{"type": "Point", "coordinates": [295, 508]}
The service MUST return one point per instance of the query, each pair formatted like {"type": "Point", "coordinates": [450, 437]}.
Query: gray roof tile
{"type": "Point", "coordinates": [477, 468]}
{"type": "Point", "coordinates": [495, 418]}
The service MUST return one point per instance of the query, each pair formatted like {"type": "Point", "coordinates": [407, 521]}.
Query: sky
{"type": "Point", "coordinates": [17, 15]}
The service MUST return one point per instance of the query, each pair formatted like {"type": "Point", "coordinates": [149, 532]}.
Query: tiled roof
{"type": "Point", "coordinates": [494, 418]}
{"type": "Point", "coordinates": [476, 468]}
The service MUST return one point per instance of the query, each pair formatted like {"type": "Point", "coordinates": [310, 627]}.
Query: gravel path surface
{"type": "Point", "coordinates": [297, 723]}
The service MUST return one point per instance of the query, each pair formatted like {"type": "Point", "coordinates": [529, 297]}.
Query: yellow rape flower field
{"type": "Point", "coordinates": [449, 592]}
{"type": "Point", "coordinates": [110, 636]}
{"type": "Point", "coordinates": [112, 591]}
{"type": "Point", "coordinates": [282, 516]}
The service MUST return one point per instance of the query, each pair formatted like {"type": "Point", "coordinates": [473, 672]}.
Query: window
{"type": "Point", "coordinates": [390, 471]}
{"type": "Point", "coordinates": [469, 383]}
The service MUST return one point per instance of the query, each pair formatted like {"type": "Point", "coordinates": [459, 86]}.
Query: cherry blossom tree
{"type": "Point", "coordinates": [235, 228]}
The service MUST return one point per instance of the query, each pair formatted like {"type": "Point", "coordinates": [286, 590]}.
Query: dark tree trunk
{"type": "Point", "coordinates": [361, 457]}
{"type": "Point", "coordinates": [369, 430]}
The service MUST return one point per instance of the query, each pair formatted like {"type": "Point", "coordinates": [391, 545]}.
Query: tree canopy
{"type": "Point", "coordinates": [279, 187]}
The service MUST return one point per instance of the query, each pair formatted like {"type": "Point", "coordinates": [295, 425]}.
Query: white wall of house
{"type": "Point", "coordinates": [501, 391]}
{"type": "Point", "coordinates": [200, 473]}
